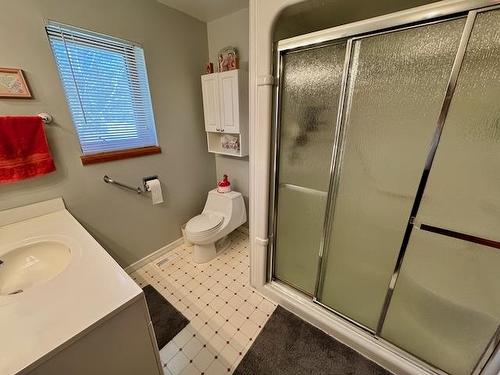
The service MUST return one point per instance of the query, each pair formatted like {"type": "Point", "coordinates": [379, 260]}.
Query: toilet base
{"type": "Point", "coordinates": [205, 253]}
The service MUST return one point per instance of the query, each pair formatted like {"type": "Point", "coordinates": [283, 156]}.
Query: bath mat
{"type": "Point", "coordinates": [288, 345]}
{"type": "Point", "coordinates": [167, 321]}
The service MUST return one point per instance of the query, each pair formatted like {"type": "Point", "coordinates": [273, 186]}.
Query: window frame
{"type": "Point", "coordinates": [114, 153]}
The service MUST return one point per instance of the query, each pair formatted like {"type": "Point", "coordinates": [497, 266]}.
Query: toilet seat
{"type": "Point", "coordinates": [204, 224]}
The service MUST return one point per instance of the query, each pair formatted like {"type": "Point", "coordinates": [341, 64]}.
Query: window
{"type": "Point", "coordinates": [106, 86]}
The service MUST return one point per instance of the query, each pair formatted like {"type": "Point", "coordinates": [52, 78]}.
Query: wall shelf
{"type": "Point", "coordinates": [215, 144]}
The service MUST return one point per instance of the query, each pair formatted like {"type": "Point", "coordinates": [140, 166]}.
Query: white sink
{"type": "Point", "coordinates": [32, 264]}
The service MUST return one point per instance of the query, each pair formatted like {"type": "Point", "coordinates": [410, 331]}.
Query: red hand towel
{"type": "Point", "coordinates": [24, 151]}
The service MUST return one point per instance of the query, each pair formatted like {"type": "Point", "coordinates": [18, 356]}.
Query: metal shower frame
{"type": "Point", "coordinates": [348, 34]}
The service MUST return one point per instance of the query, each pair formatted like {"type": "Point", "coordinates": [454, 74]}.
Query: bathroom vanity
{"type": "Point", "coordinates": [66, 307]}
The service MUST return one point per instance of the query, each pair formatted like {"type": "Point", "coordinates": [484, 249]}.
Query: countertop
{"type": "Point", "coordinates": [44, 319]}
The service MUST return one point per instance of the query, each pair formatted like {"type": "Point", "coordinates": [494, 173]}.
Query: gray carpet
{"type": "Point", "coordinates": [289, 346]}
{"type": "Point", "coordinates": [167, 320]}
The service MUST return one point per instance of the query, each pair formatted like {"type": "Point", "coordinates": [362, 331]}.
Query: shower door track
{"type": "Point", "coordinates": [348, 33]}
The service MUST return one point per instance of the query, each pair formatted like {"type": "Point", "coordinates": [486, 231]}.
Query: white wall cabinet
{"type": "Point", "coordinates": [225, 107]}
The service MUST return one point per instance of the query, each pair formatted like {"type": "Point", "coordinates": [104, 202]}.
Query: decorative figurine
{"type": "Point", "coordinates": [224, 186]}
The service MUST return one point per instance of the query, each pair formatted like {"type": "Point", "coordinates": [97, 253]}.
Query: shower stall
{"type": "Point", "coordinates": [385, 197]}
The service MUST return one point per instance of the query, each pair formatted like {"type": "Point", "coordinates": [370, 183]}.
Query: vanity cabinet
{"type": "Point", "coordinates": [123, 343]}
{"type": "Point", "coordinates": [76, 322]}
{"type": "Point", "coordinates": [225, 108]}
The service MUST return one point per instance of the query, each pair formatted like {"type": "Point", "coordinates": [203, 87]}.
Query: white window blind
{"type": "Point", "coordinates": [106, 86]}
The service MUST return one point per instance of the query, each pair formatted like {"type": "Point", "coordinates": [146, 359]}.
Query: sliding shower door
{"type": "Point", "coordinates": [387, 183]}
{"type": "Point", "coordinates": [396, 89]}
{"type": "Point", "coordinates": [446, 304]}
{"type": "Point", "coordinates": [311, 83]}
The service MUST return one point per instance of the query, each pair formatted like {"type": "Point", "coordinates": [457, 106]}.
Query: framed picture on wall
{"type": "Point", "coordinates": [13, 84]}
{"type": "Point", "coordinates": [228, 59]}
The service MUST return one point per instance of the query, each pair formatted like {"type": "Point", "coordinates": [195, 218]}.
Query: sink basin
{"type": "Point", "coordinates": [32, 264]}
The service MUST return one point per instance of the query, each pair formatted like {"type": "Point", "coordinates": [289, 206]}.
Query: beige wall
{"type": "Point", "coordinates": [175, 46]}
{"type": "Point", "coordinates": [231, 30]}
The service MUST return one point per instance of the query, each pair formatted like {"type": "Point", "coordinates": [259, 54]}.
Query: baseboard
{"type": "Point", "coordinates": [165, 249]}
{"type": "Point", "coordinates": [155, 255]}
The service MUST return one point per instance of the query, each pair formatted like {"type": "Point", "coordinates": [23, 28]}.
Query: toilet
{"type": "Point", "coordinates": [223, 213]}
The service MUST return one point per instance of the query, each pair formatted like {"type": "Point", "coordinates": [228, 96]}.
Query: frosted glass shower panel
{"type": "Point", "coordinates": [463, 191]}
{"type": "Point", "coordinates": [309, 104]}
{"type": "Point", "coordinates": [446, 305]}
{"type": "Point", "coordinates": [395, 93]}
{"type": "Point", "coordinates": [311, 84]}
{"type": "Point", "coordinates": [300, 228]}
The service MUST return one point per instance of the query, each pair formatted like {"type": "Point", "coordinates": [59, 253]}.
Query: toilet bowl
{"type": "Point", "coordinates": [223, 213]}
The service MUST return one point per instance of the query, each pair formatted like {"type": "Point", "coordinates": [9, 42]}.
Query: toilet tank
{"type": "Point", "coordinates": [227, 204]}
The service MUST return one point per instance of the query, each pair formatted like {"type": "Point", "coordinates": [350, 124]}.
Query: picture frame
{"type": "Point", "coordinates": [228, 59]}
{"type": "Point", "coordinates": [13, 84]}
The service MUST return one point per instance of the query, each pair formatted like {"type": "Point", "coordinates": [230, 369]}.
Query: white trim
{"type": "Point", "coordinates": [262, 241]}
{"type": "Point", "coordinates": [493, 366]}
{"type": "Point", "coordinates": [265, 80]}
{"type": "Point", "coordinates": [154, 255]}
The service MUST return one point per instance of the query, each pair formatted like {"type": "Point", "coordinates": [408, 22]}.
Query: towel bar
{"type": "Point", "coordinates": [46, 118]}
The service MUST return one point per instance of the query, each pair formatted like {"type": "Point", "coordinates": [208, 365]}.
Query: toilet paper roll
{"type": "Point", "coordinates": [154, 187]}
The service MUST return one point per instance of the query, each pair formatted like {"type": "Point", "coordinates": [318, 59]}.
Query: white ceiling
{"type": "Point", "coordinates": [206, 10]}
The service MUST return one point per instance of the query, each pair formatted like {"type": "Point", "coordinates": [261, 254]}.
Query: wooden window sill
{"type": "Point", "coordinates": [103, 157]}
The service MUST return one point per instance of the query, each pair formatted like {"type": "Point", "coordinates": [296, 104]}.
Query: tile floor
{"type": "Point", "coordinates": [225, 313]}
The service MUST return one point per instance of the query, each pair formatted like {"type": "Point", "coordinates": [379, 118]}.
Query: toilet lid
{"type": "Point", "coordinates": [204, 222]}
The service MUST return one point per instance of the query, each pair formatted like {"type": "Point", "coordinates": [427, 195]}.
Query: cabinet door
{"type": "Point", "coordinates": [229, 100]}
{"type": "Point", "coordinates": [210, 90]}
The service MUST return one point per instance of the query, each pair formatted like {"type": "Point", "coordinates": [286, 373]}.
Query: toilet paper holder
{"type": "Point", "coordinates": [146, 179]}
{"type": "Point", "coordinates": [138, 190]}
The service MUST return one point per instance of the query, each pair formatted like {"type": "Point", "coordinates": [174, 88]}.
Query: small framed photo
{"type": "Point", "coordinates": [228, 59]}
{"type": "Point", "coordinates": [13, 84]}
